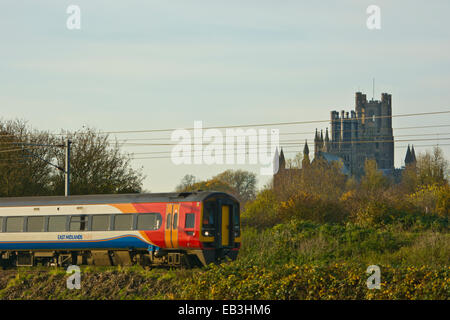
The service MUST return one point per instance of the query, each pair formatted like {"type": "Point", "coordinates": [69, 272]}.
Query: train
{"type": "Point", "coordinates": [156, 229]}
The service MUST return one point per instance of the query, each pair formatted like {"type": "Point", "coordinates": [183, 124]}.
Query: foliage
{"type": "Point", "coordinates": [432, 168]}
{"type": "Point", "coordinates": [186, 184]}
{"type": "Point", "coordinates": [295, 260]}
{"type": "Point", "coordinates": [97, 166]}
{"type": "Point", "coordinates": [21, 175]}
{"type": "Point", "coordinates": [307, 242]}
{"type": "Point", "coordinates": [262, 212]}
{"type": "Point", "coordinates": [335, 281]}
{"type": "Point", "coordinates": [240, 183]}
{"type": "Point", "coordinates": [373, 182]}
{"type": "Point", "coordinates": [306, 206]}
{"type": "Point", "coordinates": [432, 198]}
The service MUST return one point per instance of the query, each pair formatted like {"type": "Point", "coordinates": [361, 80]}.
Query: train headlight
{"type": "Point", "coordinates": [208, 233]}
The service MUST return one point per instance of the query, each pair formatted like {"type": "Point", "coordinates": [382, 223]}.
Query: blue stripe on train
{"type": "Point", "coordinates": [125, 242]}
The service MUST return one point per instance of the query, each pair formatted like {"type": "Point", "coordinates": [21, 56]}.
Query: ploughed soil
{"type": "Point", "coordinates": [95, 283]}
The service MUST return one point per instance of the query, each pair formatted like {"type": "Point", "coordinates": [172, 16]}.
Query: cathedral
{"type": "Point", "coordinates": [364, 133]}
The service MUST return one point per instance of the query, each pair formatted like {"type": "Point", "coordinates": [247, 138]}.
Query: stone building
{"type": "Point", "coordinates": [364, 133]}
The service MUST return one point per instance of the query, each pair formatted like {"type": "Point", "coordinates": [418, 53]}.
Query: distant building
{"type": "Point", "coordinates": [364, 133]}
{"type": "Point", "coordinates": [410, 156]}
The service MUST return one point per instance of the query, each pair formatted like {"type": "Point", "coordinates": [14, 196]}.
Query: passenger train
{"type": "Point", "coordinates": [169, 229]}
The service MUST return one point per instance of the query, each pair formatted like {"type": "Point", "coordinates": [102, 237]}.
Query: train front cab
{"type": "Point", "coordinates": [220, 231]}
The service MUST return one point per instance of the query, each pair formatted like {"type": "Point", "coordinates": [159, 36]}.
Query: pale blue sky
{"type": "Point", "coordinates": [163, 64]}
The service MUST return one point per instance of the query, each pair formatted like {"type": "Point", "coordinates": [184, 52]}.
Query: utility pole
{"type": "Point", "coordinates": [67, 167]}
{"type": "Point", "coordinates": [65, 170]}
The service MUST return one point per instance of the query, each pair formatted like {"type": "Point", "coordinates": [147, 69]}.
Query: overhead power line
{"type": "Point", "coordinates": [281, 142]}
{"type": "Point", "coordinates": [14, 161]}
{"type": "Point", "coordinates": [255, 124]}
{"type": "Point", "coordinates": [263, 124]}
{"type": "Point", "coordinates": [400, 135]}
{"type": "Point", "coordinates": [288, 151]}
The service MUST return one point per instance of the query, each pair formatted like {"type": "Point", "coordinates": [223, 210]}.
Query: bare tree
{"type": "Point", "coordinates": [242, 182]}
{"type": "Point", "coordinates": [23, 171]}
{"type": "Point", "coordinates": [97, 166]}
{"type": "Point", "coordinates": [186, 184]}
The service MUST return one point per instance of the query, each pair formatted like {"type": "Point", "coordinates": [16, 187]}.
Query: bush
{"type": "Point", "coordinates": [262, 212]}
{"type": "Point", "coordinates": [433, 199]}
{"type": "Point", "coordinates": [306, 206]}
{"type": "Point", "coordinates": [336, 281]}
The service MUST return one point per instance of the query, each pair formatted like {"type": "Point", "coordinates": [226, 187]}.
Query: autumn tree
{"type": "Point", "coordinates": [432, 168]}
{"type": "Point", "coordinates": [373, 181]}
{"type": "Point", "coordinates": [97, 166]}
{"type": "Point", "coordinates": [20, 173]}
{"type": "Point", "coordinates": [240, 183]}
{"type": "Point", "coordinates": [186, 184]}
{"type": "Point", "coordinates": [323, 178]}
{"type": "Point", "coordinates": [429, 169]}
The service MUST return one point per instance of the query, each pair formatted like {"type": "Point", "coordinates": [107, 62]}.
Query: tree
{"type": "Point", "coordinates": [432, 168]}
{"type": "Point", "coordinates": [429, 169]}
{"type": "Point", "coordinates": [242, 182]}
{"type": "Point", "coordinates": [324, 179]}
{"type": "Point", "coordinates": [373, 182]}
{"type": "Point", "coordinates": [409, 179]}
{"type": "Point", "coordinates": [21, 174]}
{"type": "Point", "coordinates": [239, 183]}
{"type": "Point", "coordinates": [295, 163]}
{"type": "Point", "coordinates": [97, 166]}
{"type": "Point", "coordinates": [186, 184]}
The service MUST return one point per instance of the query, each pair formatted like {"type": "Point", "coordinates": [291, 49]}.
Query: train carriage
{"type": "Point", "coordinates": [173, 229]}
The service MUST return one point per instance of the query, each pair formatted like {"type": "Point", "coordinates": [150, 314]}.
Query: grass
{"type": "Point", "coordinates": [294, 260]}
{"type": "Point", "coordinates": [322, 244]}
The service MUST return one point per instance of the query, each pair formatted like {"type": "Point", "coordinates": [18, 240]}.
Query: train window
{"type": "Point", "coordinates": [189, 222]}
{"type": "Point", "coordinates": [57, 223]}
{"type": "Point", "coordinates": [35, 224]}
{"type": "Point", "coordinates": [14, 224]}
{"type": "Point", "coordinates": [236, 217]}
{"type": "Point", "coordinates": [100, 222]}
{"type": "Point", "coordinates": [175, 221]}
{"type": "Point", "coordinates": [123, 222]}
{"type": "Point", "coordinates": [168, 220]}
{"type": "Point", "coordinates": [149, 221]}
{"type": "Point", "coordinates": [209, 213]}
{"type": "Point", "coordinates": [78, 223]}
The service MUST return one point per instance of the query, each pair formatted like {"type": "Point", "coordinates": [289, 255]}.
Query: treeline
{"type": "Point", "coordinates": [239, 183]}
{"type": "Point", "coordinates": [322, 193]}
{"type": "Point", "coordinates": [97, 166]}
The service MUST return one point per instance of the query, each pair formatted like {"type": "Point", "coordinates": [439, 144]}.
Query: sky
{"type": "Point", "coordinates": [146, 65]}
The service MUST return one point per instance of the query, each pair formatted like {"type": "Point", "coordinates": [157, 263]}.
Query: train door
{"type": "Point", "coordinates": [175, 223]}
{"type": "Point", "coordinates": [225, 226]}
{"type": "Point", "coordinates": [171, 228]}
